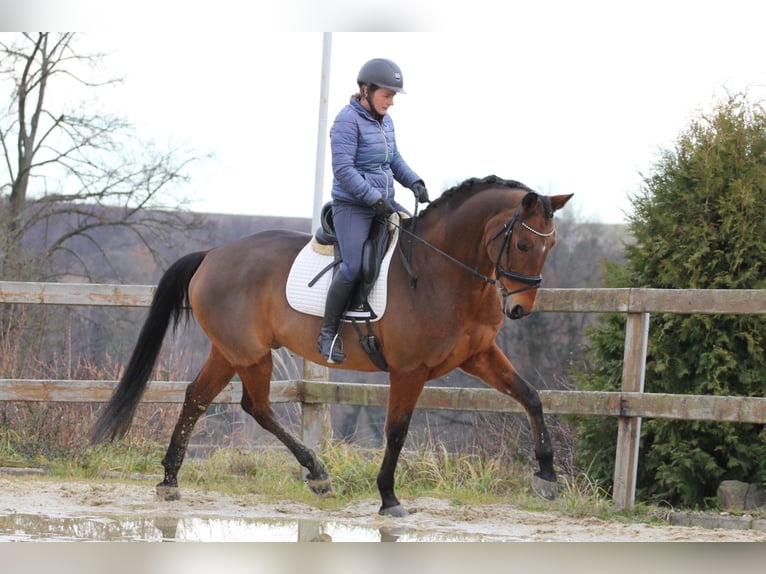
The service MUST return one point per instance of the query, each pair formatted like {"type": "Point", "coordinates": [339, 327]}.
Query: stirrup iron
{"type": "Point", "coordinates": [341, 354]}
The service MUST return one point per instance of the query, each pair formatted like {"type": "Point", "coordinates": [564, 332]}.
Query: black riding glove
{"type": "Point", "coordinates": [384, 207]}
{"type": "Point", "coordinates": [420, 191]}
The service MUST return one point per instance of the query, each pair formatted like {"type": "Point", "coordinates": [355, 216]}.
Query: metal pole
{"type": "Point", "coordinates": [315, 423]}
{"type": "Point", "coordinates": [324, 96]}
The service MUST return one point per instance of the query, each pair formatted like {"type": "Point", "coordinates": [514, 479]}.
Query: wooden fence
{"type": "Point", "coordinates": [314, 392]}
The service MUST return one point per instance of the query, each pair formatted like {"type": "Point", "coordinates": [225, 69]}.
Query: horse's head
{"type": "Point", "coordinates": [519, 245]}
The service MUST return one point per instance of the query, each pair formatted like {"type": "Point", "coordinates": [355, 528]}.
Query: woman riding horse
{"type": "Point", "coordinates": [478, 254]}
{"type": "Point", "coordinates": [365, 163]}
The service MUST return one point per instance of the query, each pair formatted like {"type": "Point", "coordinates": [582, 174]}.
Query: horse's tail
{"type": "Point", "coordinates": [169, 304]}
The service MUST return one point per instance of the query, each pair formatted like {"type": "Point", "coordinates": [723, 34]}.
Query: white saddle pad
{"type": "Point", "coordinates": [312, 259]}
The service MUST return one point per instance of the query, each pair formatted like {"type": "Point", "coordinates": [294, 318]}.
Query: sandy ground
{"type": "Point", "coordinates": [39, 508]}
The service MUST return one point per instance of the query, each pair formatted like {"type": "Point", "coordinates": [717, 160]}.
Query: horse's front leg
{"type": "Point", "coordinates": [494, 368]}
{"type": "Point", "coordinates": [403, 394]}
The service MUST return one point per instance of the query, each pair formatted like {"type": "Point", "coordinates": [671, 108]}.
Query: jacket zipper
{"type": "Point", "coordinates": [385, 144]}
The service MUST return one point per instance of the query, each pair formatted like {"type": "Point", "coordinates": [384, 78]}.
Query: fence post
{"type": "Point", "coordinates": [316, 426]}
{"type": "Point", "coordinates": [629, 428]}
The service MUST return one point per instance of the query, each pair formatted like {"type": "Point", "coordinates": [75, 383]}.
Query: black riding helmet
{"type": "Point", "coordinates": [379, 73]}
{"type": "Point", "coordinates": [382, 73]}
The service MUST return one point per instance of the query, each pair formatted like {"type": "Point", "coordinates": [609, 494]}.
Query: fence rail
{"type": "Point", "coordinates": [586, 403]}
{"type": "Point", "coordinates": [314, 392]}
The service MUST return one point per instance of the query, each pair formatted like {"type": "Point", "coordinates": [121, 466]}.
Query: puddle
{"type": "Point", "coordinates": [34, 527]}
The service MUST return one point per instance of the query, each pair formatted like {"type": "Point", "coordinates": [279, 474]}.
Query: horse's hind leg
{"type": "Point", "coordinates": [495, 369]}
{"type": "Point", "coordinates": [255, 401]}
{"type": "Point", "coordinates": [212, 378]}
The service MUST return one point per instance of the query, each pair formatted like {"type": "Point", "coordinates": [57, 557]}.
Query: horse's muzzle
{"type": "Point", "coordinates": [516, 312]}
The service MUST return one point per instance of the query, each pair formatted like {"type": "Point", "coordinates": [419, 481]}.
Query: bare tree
{"type": "Point", "coordinates": [69, 172]}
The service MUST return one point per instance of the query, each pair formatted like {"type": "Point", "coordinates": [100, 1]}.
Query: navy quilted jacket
{"type": "Point", "coordinates": [365, 159]}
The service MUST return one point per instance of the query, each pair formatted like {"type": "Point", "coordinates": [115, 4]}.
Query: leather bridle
{"type": "Point", "coordinates": [506, 231]}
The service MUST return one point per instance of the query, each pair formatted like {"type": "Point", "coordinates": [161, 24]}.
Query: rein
{"type": "Point", "coordinates": [531, 281]}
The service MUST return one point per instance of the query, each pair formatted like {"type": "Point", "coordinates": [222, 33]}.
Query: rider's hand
{"type": "Point", "coordinates": [384, 207]}
{"type": "Point", "coordinates": [420, 191]}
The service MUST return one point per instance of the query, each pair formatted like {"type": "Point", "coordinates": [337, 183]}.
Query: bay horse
{"type": "Point", "coordinates": [478, 251]}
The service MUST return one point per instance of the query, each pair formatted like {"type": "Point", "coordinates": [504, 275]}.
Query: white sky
{"type": "Point", "coordinates": [567, 97]}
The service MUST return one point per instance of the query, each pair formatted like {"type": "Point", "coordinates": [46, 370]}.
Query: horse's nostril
{"type": "Point", "coordinates": [517, 312]}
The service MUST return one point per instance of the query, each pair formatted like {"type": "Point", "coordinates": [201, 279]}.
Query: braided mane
{"type": "Point", "coordinates": [456, 195]}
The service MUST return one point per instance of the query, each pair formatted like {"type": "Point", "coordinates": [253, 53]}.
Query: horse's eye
{"type": "Point", "coordinates": [523, 246]}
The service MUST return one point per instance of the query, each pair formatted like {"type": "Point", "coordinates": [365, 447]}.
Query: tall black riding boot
{"type": "Point", "coordinates": [329, 344]}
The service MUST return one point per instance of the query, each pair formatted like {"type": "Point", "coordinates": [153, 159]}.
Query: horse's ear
{"type": "Point", "coordinates": [529, 200]}
{"type": "Point", "coordinates": [559, 201]}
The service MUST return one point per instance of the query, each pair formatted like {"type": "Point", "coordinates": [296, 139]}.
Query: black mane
{"type": "Point", "coordinates": [471, 186]}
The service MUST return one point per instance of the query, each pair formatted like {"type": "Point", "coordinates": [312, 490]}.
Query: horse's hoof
{"type": "Point", "coordinates": [547, 489]}
{"type": "Point", "coordinates": [388, 534]}
{"type": "Point", "coordinates": [397, 511]}
{"type": "Point", "coordinates": [168, 493]}
{"type": "Point", "coordinates": [321, 488]}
